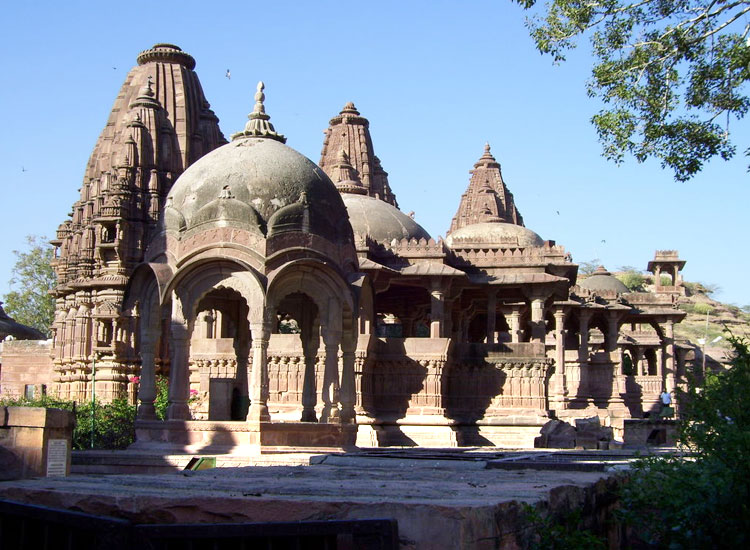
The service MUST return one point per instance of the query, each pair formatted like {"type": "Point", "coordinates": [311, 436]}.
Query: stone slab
{"type": "Point", "coordinates": [436, 507]}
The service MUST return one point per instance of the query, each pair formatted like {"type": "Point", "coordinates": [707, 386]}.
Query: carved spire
{"type": "Point", "coordinates": [258, 124]}
{"type": "Point", "coordinates": [346, 177]}
{"type": "Point", "coordinates": [487, 199]}
{"type": "Point", "coordinates": [350, 132]}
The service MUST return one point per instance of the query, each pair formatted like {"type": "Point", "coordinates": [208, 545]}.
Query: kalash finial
{"type": "Point", "coordinates": [258, 124]}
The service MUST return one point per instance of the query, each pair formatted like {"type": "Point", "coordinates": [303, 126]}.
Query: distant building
{"type": "Point", "coordinates": [298, 298]}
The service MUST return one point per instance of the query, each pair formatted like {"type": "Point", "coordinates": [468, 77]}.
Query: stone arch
{"type": "Point", "coordinates": [189, 285]}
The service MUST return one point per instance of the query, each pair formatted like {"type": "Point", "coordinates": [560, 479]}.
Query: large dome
{"type": "Point", "coordinates": [493, 235]}
{"type": "Point", "coordinates": [243, 183]}
{"type": "Point", "coordinates": [379, 220]}
{"type": "Point", "coordinates": [603, 281]}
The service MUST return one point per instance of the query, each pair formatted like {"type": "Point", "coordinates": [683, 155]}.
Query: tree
{"type": "Point", "coordinates": [701, 499]}
{"type": "Point", "coordinates": [633, 279]}
{"type": "Point", "coordinates": [29, 301]}
{"type": "Point", "coordinates": [587, 268]}
{"type": "Point", "coordinates": [671, 73]}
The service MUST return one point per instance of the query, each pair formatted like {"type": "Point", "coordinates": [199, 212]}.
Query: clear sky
{"type": "Point", "coordinates": [436, 79]}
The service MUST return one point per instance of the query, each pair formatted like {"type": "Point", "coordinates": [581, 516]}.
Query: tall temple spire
{"type": "Point", "coordinates": [159, 125]}
{"type": "Point", "coordinates": [487, 199]}
{"type": "Point", "coordinates": [259, 124]}
{"type": "Point", "coordinates": [350, 132]}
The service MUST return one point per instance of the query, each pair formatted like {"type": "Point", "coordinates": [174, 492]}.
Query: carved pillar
{"type": "Point", "coordinates": [638, 366]}
{"type": "Point", "coordinates": [515, 325]}
{"type": "Point", "coordinates": [179, 389]}
{"type": "Point", "coordinates": [562, 389]}
{"type": "Point", "coordinates": [310, 344]}
{"type": "Point", "coordinates": [538, 330]}
{"type": "Point", "coordinates": [260, 333]}
{"type": "Point", "coordinates": [612, 332]}
{"type": "Point", "coordinates": [437, 309]}
{"type": "Point", "coordinates": [491, 315]}
{"type": "Point", "coordinates": [669, 356]}
{"type": "Point", "coordinates": [147, 384]}
{"type": "Point", "coordinates": [583, 333]}
{"type": "Point", "coordinates": [330, 391]}
{"type": "Point", "coordinates": [348, 390]}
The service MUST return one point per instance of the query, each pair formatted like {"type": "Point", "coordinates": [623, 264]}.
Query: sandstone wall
{"type": "Point", "coordinates": [25, 362]}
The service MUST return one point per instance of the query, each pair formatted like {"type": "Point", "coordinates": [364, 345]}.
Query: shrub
{"type": "Point", "coordinates": [113, 423]}
{"type": "Point", "coordinates": [701, 499]}
{"type": "Point", "coordinates": [633, 280]}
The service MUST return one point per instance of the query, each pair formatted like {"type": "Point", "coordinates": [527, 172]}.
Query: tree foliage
{"type": "Point", "coordinates": [701, 500]}
{"type": "Point", "coordinates": [633, 279]}
{"type": "Point", "coordinates": [671, 73]}
{"type": "Point", "coordinates": [29, 302]}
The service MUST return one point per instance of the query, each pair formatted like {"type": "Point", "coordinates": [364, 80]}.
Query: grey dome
{"type": "Point", "coordinates": [243, 183]}
{"type": "Point", "coordinates": [603, 281]}
{"type": "Point", "coordinates": [493, 235]}
{"type": "Point", "coordinates": [379, 220]}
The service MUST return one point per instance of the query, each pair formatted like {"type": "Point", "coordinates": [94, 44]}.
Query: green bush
{"type": "Point", "coordinates": [702, 309]}
{"type": "Point", "coordinates": [113, 423]}
{"type": "Point", "coordinates": [700, 499]}
{"type": "Point", "coordinates": [633, 280]}
{"type": "Point", "coordinates": [560, 532]}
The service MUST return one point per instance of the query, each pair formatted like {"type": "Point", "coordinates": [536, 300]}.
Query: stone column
{"type": "Point", "coordinates": [669, 356]}
{"type": "Point", "coordinates": [437, 309]}
{"type": "Point", "coordinates": [515, 325]}
{"type": "Point", "coordinates": [147, 384]}
{"type": "Point", "coordinates": [538, 330]}
{"type": "Point", "coordinates": [348, 390]}
{"type": "Point", "coordinates": [310, 344]}
{"type": "Point", "coordinates": [330, 391]}
{"type": "Point", "coordinates": [491, 314]}
{"type": "Point", "coordinates": [179, 389]}
{"type": "Point", "coordinates": [562, 388]}
{"type": "Point", "coordinates": [583, 333]}
{"type": "Point", "coordinates": [638, 363]}
{"type": "Point", "coordinates": [657, 277]}
{"type": "Point", "coordinates": [260, 333]}
{"type": "Point", "coordinates": [612, 332]}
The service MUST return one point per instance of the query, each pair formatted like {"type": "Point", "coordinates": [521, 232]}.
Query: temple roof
{"type": "Point", "coordinates": [487, 199]}
{"type": "Point", "coordinates": [349, 132]}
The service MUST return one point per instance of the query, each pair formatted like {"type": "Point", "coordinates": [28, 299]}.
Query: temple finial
{"type": "Point", "coordinates": [258, 124]}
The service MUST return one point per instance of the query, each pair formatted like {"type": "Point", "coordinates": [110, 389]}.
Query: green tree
{"type": "Point", "coordinates": [29, 301]}
{"type": "Point", "coordinates": [700, 499]}
{"type": "Point", "coordinates": [671, 73]}
{"type": "Point", "coordinates": [633, 279]}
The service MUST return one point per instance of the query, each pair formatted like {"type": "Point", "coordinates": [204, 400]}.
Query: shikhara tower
{"type": "Point", "coordinates": [159, 125]}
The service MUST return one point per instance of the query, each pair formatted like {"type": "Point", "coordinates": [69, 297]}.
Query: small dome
{"type": "Point", "coordinates": [243, 183]}
{"type": "Point", "coordinates": [603, 281]}
{"type": "Point", "coordinates": [379, 220]}
{"type": "Point", "coordinates": [493, 235]}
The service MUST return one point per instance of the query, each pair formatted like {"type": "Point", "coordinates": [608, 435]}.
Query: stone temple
{"type": "Point", "coordinates": [293, 303]}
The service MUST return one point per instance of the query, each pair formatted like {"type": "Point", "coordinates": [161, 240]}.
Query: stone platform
{"type": "Point", "coordinates": [449, 499]}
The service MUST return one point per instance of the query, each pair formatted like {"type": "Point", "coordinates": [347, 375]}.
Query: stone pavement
{"type": "Point", "coordinates": [439, 501]}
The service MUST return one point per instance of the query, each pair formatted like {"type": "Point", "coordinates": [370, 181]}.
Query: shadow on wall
{"type": "Point", "coordinates": [470, 382]}
{"type": "Point", "coordinates": [388, 385]}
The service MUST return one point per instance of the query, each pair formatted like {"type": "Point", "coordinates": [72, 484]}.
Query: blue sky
{"type": "Point", "coordinates": [436, 79]}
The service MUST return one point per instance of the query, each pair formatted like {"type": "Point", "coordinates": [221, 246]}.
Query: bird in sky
{"type": "Point", "coordinates": [558, 212]}
{"type": "Point", "coordinates": [229, 75]}
{"type": "Point", "coordinates": [603, 241]}
{"type": "Point", "coordinates": [23, 169]}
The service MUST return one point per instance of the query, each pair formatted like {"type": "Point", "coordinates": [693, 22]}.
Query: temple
{"type": "Point", "coordinates": [291, 303]}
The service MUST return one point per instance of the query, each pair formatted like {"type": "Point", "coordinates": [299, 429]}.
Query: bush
{"type": "Point", "coordinates": [633, 280]}
{"type": "Point", "coordinates": [113, 423]}
{"type": "Point", "coordinates": [701, 499]}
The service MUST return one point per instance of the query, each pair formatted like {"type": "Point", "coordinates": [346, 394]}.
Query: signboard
{"type": "Point", "coordinates": [57, 457]}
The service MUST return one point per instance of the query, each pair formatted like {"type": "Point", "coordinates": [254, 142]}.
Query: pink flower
{"type": "Point", "coordinates": [193, 393]}
{"type": "Point", "coordinates": [135, 379]}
